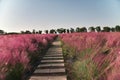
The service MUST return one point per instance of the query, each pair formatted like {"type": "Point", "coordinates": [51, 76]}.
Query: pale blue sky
{"type": "Point", "coordinates": [17, 15]}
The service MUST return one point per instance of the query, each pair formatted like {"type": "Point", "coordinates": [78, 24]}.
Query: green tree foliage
{"type": "Point", "coordinates": [72, 30]}
{"type": "Point", "coordinates": [92, 29]}
{"type": "Point", "coordinates": [53, 31]}
{"type": "Point", "coordinates": [98, 29]}
{"type": "Point", "coordinates": [22, 32]}
{"type": "Point", "coordinates": [106, 29]}
{"type": "Point", "coordinates": [77, 29]}
{"type": "Point", "coordinates": [27, 32]}
{"type": "Point", "coordinates": [40, 32]}
{"type": "Point", "coordinates": [46, 31]}
{"type": "Point", "coordinates": [61, 30]}
{"type": "Point", "coordinates": [1, 31]}
{"type": "Point", "coordinates": [83, 29]}
{"type": "Point", "coordinates": [113, 29]}
{"type": "Point", "coordinates": [33, 31]}
{"type": "Point", "coordinates": [68, 31]}
{"type": "Point", "coordinates": [117, 28]}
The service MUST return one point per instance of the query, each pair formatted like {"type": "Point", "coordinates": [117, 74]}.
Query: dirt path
{"type": "Point", "coordinates": [51, 66]}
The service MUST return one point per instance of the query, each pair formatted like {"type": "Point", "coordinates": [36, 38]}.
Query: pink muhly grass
{"type": "Point", "coordinates": [100, 43]}
{"type": "Point", "coordinates": [15, 49]}
{"type": "Point", "coordinates": [115, 72]}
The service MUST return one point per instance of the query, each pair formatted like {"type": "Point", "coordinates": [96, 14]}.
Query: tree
{"type": "Point", "coordinates": [92, 29]}
{"type": "Point", "coordinates": [106, 29]}
{"type": "Point", "coordinates": [22, 32]}
{"type": "Point", "coordinates": [77, 29]}
{"type": "Point", "coordinates": [40, 32]}
{"type": "Point", "coordinates": [64, 30]}
{"type": "Point", "coordinates": [37, 32]}
{"type": "Point", "coordinates": [117, 28]}
{"type": "Point", "coordinates": [83, 29]}
{"type": "Point", "coordinates": [72, 30]}
{"type": "Point", "coordinates": [1, 32]}
{"type": "Point", "coordinates": [52, 31]}
{"type": "Point", "coordinates": [68, 31]}
{"type": "Point", "coordinates": [33, 31]}
{"type": "Point", "coordinates": [12, 33]}
{"type": "Point", "coordinates": [61, 30]}
{"type": "Point", "coordinates": [98, 29]}
{"type": "Point", "coordinates": [46, 31]}
{"type": "Point", "coordinates": [27, 32]}
{"type": "Point", "coordinates": [113, 29]}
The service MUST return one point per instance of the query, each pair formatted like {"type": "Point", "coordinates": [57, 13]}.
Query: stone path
{"type": "Point", "coordinates": [51, 66]}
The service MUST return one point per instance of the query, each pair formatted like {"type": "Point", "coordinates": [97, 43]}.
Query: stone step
{"type": "Point", "coordinates": [53, 52]}
{"type": "Point", "coordinates": [51, 72]}
{"type": "Point", "coordinates": [59, 49]}
{"type": "Point", "coordinates": [47, 61]}
{"type": "Point", "coordinates": [56, 55]}
{"type": "Point", "coordinates": [59, 70]}
{"type": "Point", "coordinates": [39, 71]}
{"type": "Point", "coordinates": [39, 78]}
{"type": "Point", "coordinates": [57, 77]}
{"type": "Point", "coordinates": [50, 57]}
{"type": "Point", "coordinates": [48, 78]}
{"type": "Point", "coordinates": [51, 66]}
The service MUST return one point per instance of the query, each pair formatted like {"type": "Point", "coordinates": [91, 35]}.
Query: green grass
{"type": "Point", "coordinates": [84, 70]}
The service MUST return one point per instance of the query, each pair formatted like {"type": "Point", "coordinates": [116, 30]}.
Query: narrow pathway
{"type": "Point", "coordinates": [52, 65]}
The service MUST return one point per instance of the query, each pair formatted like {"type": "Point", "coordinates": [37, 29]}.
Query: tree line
{"type": "Point", "coordinates": [71, 30]}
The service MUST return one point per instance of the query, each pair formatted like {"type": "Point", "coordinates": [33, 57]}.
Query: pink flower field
{"type": "Point", "coordinates": [88, 56]}
{"type": "Point", "coordinates": [19, 52]}
{"type": "Point", "coordinates": [92, 56]}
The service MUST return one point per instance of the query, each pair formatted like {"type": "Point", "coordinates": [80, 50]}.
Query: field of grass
{"type": "Point", "coordinates": [19, 53]}
{"type": "Point", "coordinates": [88, 56]}
{"type": "Point", "coordinates": [92, 56]}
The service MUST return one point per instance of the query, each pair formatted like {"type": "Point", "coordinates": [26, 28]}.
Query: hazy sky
{"type": "Point", "coordinates": [17, 15]}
